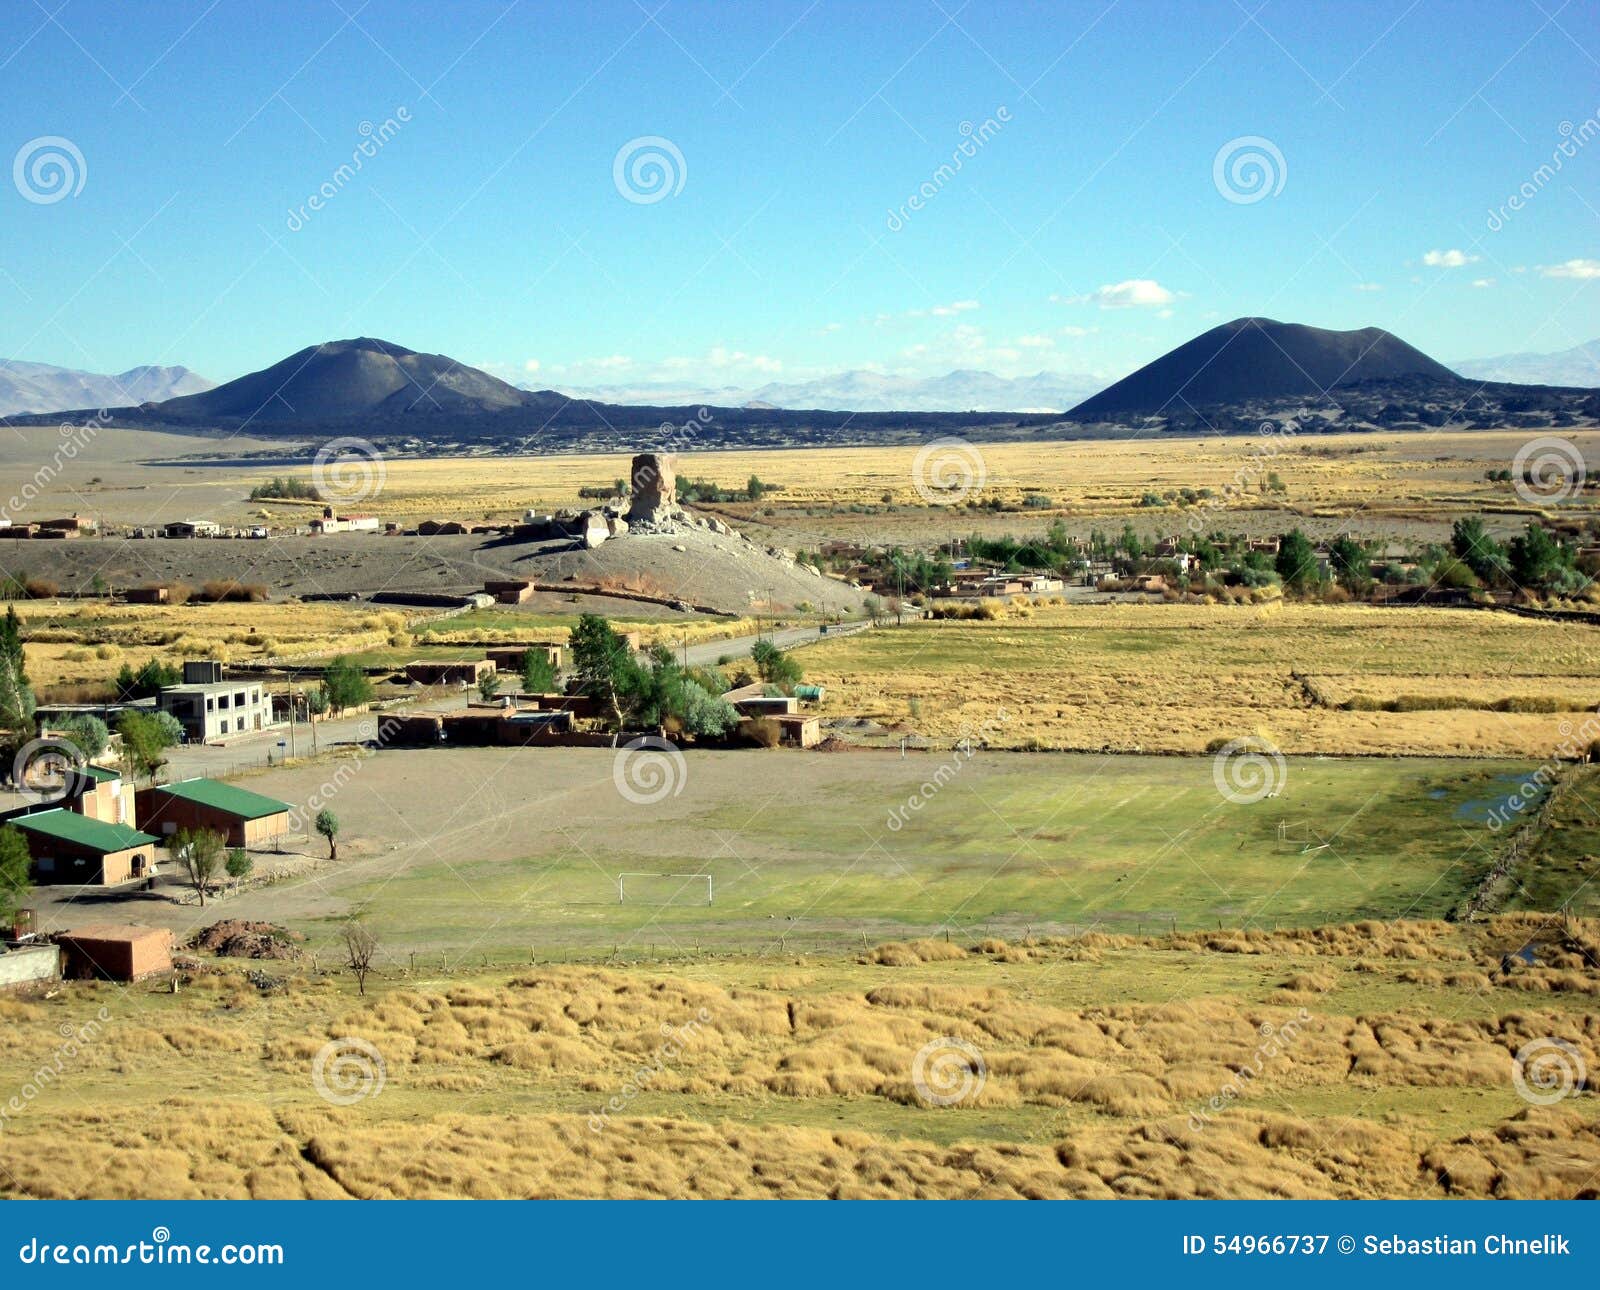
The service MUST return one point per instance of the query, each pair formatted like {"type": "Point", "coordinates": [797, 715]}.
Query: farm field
{"type": "Point", "coordinates": [828, 853]}
{"type": "Point", "coordinates": [1174, 678]}
{"type": "Point", "coordinates": [1382, 1059]}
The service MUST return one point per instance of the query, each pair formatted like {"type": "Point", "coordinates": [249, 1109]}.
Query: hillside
{"type": "Point", "coordinates": [348, 378]}
{"type": "Point", "coordinates": [1260, 358]}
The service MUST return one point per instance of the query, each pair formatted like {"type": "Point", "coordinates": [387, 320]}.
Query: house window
{"type": "Point", "coordinates": [211, 705]}
{"type": "Point", "coordinates": [222, 726]}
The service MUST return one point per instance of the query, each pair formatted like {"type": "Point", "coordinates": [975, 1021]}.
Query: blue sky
{"type": "Point", "coordinates": [1085, 231]}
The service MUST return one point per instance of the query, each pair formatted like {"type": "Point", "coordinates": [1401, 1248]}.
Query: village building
{"type": "Point", "coordinates": [114, 952]}
{"type": "Point", "coordinates": [191, 529]}
{"type": "Point", "coordinates": [331, 523]}
{"type": "Point", "coordinates": [71, 848]}
{"type": "Point", "coordinates": [215, 709]}
{"type": "Point", "coordinates": [448, 671]}
{"type": "Point", "coordinates": [510, 591]}
{"type": "Point", "coordinates": [244, 818]}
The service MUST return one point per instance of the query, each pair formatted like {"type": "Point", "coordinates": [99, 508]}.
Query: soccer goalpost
{"type": "Point", "coordinates": [1301, 837]}
{"type": "Point", "coordinates": [661, 888]}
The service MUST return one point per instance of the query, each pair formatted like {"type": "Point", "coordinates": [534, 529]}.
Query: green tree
{"type": "Point", "coordinates": [1297, 560]}
{"type": "Point", "coordinates": [85, 732]}
{"type": "Point", "coordinates": [144, 739]}
{"type": "Point", "coordinates": [604, 666]}
{"type": "Point", "coordinates": [199, 853]}
{"type": "Point", "coordinates": [774, 666]}
{"type": "Point", "coordinates": [1474, 547]}
{"type": "Point", "coordinates": [1536, 558]}
{"type": "Point", "coordinates": [538, 673]}
{"type": "Point", "coordinates": [239, 864]}
{"type": "Point", "coordinates": [345, 684]}
{"type": "Point", "coordinates": [16, 864]}
{"type": "Point", "coordinates": [327, 825]}
{"type": "Point", "coordinates": [488, 686]}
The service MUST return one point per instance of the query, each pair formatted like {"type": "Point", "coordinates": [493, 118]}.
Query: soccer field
{"type": "Point", "coordinates": [517, 853]}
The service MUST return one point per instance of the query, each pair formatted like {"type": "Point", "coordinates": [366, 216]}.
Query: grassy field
{"type": "Point", "coordinates": [820, 852]}
{"type": "Point", "coordinates": [1162, 678]}
{"type": "Point", "coordinates": [1383, 1059]}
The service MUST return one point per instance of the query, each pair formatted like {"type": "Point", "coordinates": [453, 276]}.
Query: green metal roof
{"type": "Point", "coordinates": [100, 774]}
{"type": "Point", "coordinates": [96, 835]}
{"type": "Point", "coordinates": [225, 797]}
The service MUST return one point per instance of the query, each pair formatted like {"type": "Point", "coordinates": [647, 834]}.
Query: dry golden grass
{"type": "Point", "coordinates": [78, 641]}
{"type": "Point", "coordinates": [1175, 678]}
{"type": "Point", "coordinates": [1383, 476]}
{"type": "Point", "coordinates": [1374, 1059]}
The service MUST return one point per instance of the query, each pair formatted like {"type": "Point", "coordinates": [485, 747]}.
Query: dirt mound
{"type": "Point", "coordinates": [234, 938]}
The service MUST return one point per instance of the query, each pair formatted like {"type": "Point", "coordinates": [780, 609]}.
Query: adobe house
{"type": "Point", "coordinates": [70, 848]}
{"type": "Point", "coordinates": [510, 591]}
{"type": "Point", "coordinates": [244, 819]}
{"type": "Point", "coordinates": [512, 658]}
{"type": "Point", "coordinates": [114, 952]}
{"type": "Point", "coordinates": [448, 672]}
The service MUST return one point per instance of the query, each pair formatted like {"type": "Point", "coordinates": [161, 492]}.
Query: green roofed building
{"type": "Point", "coordinates": [72, 848]}
{"type": "Point", "coordinates": [244, 819]}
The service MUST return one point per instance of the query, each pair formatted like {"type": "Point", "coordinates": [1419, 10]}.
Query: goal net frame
{"type": "Point", "coordinates": [686, 878]}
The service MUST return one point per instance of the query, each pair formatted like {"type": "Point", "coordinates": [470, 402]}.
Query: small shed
{"type": "Point", "coordinates": [448, 672]}
{"type": "Point", "coordinates": [72, 848]}
{"type": "Point", "coordinates": [114, 952]}
{"type": "Point", "coordinates": [244, 819]}
{"type": "Point", "coordinates": [510, 591]}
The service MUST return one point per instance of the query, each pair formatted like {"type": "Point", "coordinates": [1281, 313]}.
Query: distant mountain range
{"type": "Point", "coordinates": [1579, 365]}
{"type": "Point", "coordinates": [1227, 380]}
{"type": "Point", "coordinates": [38, 387]}
{"type": "Point", "coordinates": [963, 390]}
{"type": "Point", "coordinates": [1260, 358]}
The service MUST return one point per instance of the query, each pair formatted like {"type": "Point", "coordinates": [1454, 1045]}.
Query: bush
{"type": "Point", "coordinates": [763, 731]}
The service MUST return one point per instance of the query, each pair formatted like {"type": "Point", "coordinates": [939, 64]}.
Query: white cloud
{"type": "Point", "coordinates": [720, 358]}
{"type": "Point", "coordinates": [1369, 286]}
{"type": "Point", "coordinates": [1582, 269]}
{"type": "Point", "coordinates": [1071, 330]}
{"type": "Point", "coordinates": [1135, 293]}
{"type": "Point", "coordinates": [1483, 282]}
{"type": "Point", "coordinates": [532, 365]}
{"type": "Point", "coordinates": [1451, 259]}
{"type": "Point", "coordinates": [1034, 342]}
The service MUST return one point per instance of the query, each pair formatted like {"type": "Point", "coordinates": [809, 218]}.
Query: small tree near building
{"type": "Point", "coordinates": [328, 826]}
{"type": "Point", "coordinates": [199, 853]}
{"type": "Point", "coordinates": [538, 673]}
{"type": "Point", "coordinates": [488, 686]}
{"type": "Point", "coordinates": [144, 739]}
{"type": "Point", "coordinates": [346, 685]}
{"type": "Point", "coordinates": [240, 865]}
{"type": "Point", "coordinates": [16, 865]}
